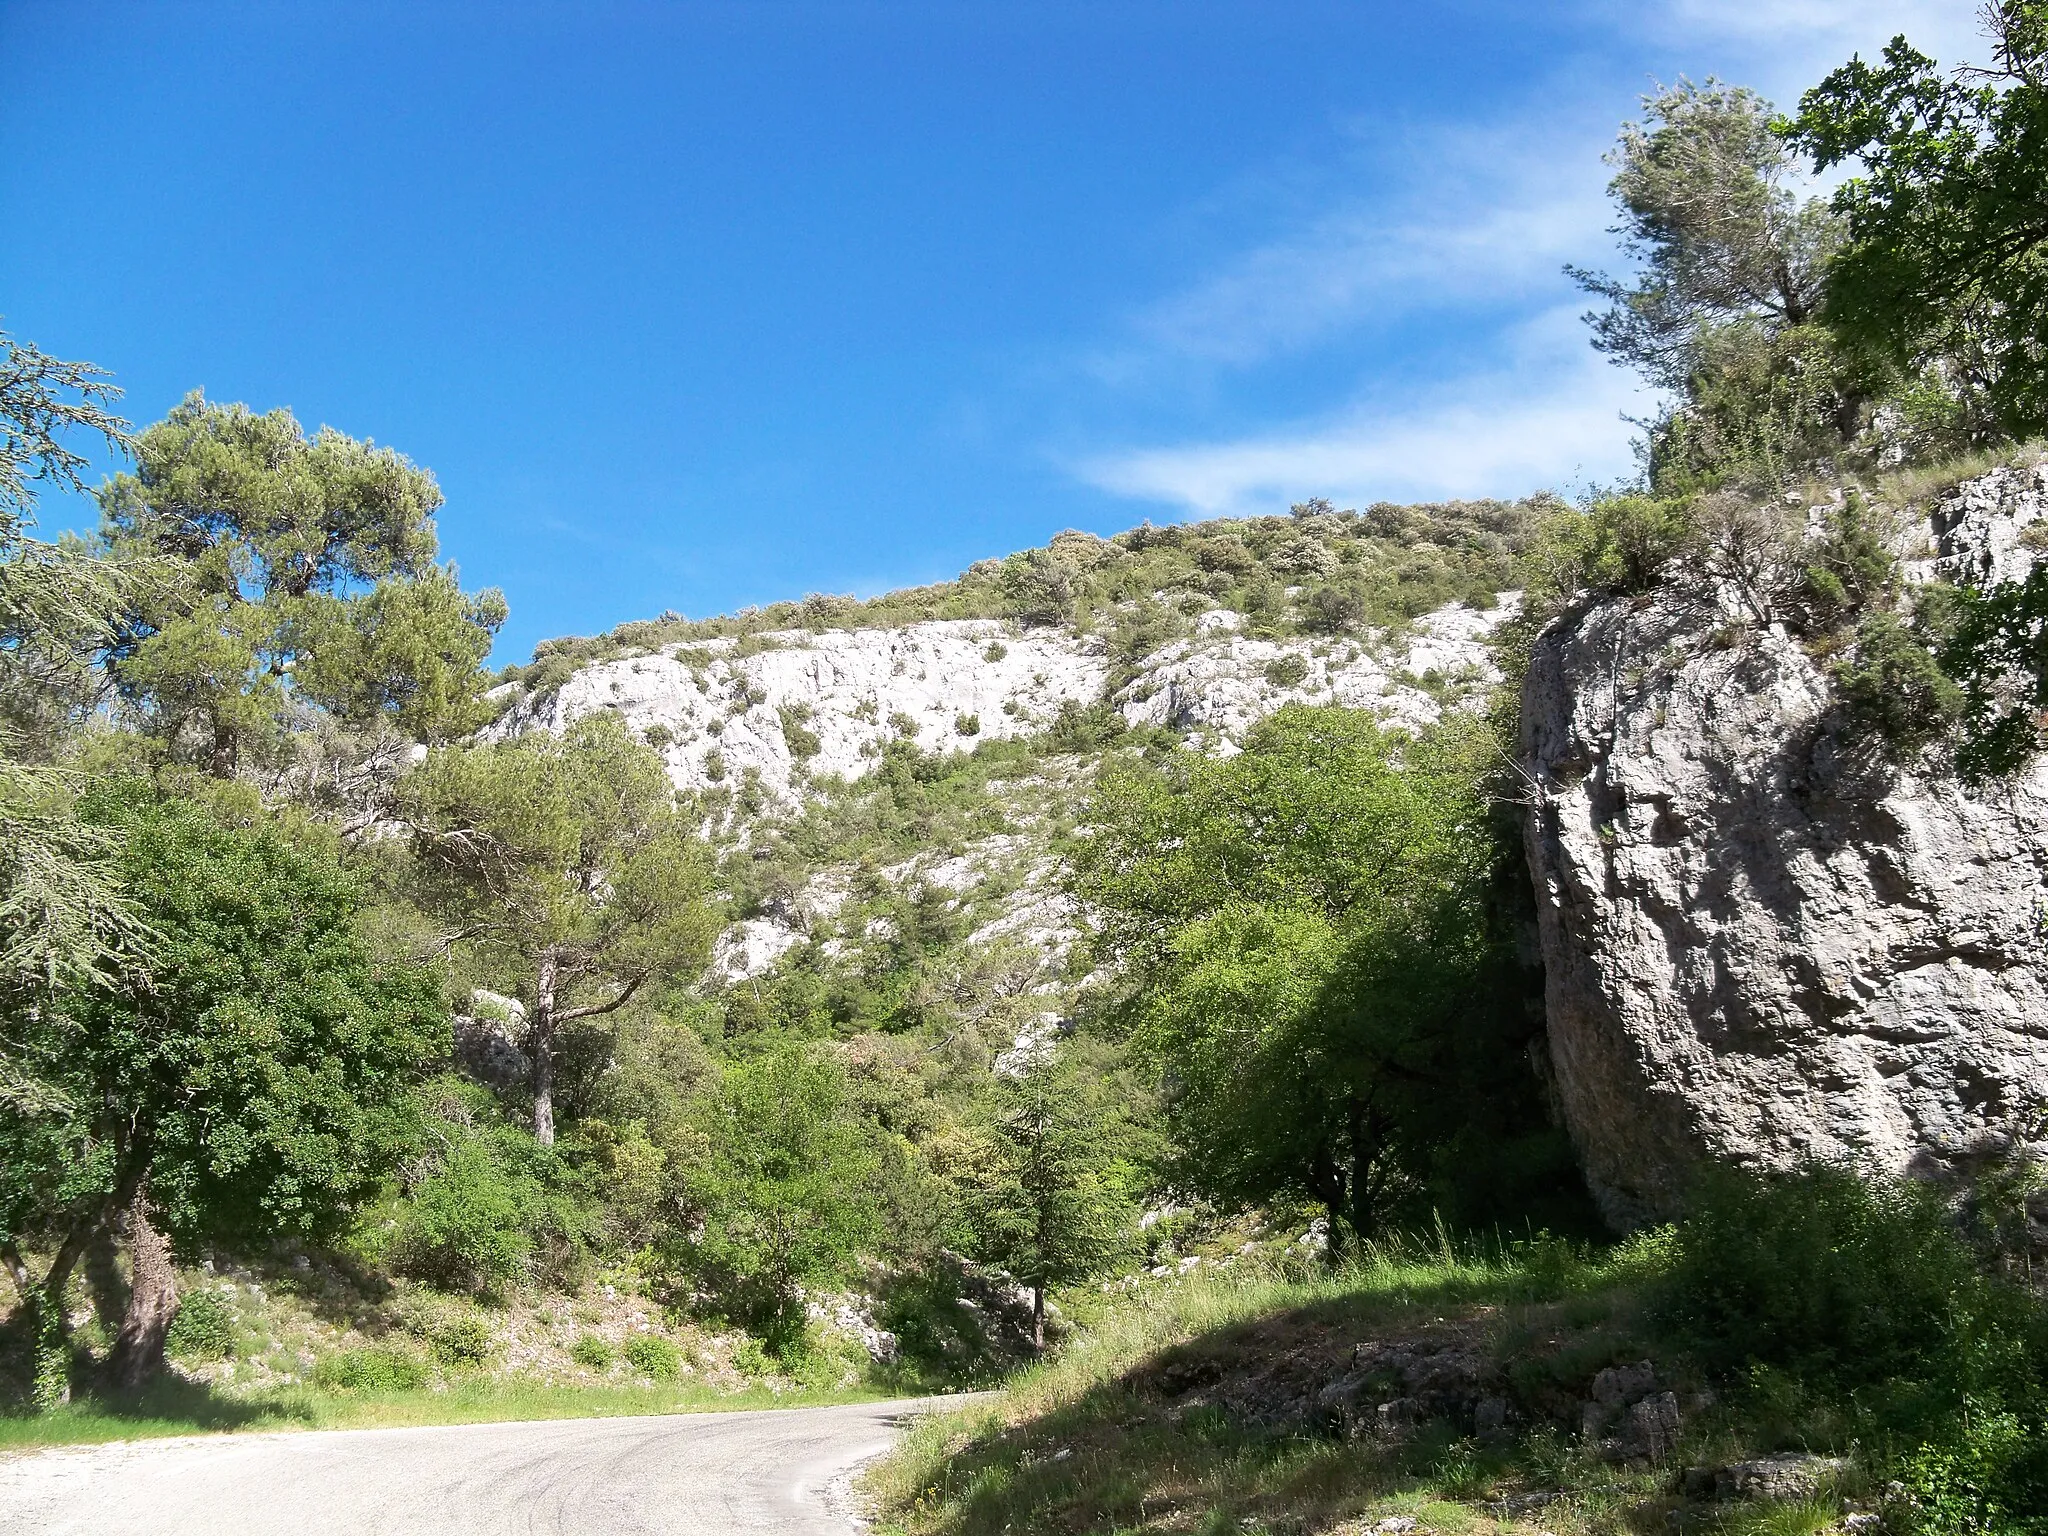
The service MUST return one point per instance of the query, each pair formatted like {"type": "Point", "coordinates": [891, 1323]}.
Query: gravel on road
{"type": "Point", "coordinates": [699, 1474]}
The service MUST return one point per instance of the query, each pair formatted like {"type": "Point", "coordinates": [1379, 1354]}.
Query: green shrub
{"type": "Point", "coordinates": [1850, 565]}
{"type": "Point", "coordinates": [462, 1342]}
{"type": "Point", "coordinates": [471, 1224]}
{"type": "Point", "coordinates": [967, 725]}
{"type": "Point", "coordinates": [750, 1358]}
{"type": "Point", "coordinates": [204, 1327]}
{"type": "Point", "coordinates": [1893, 688]}
{"type": "Point", "coordinates": [1859, 1290]}
{"type": "Point", "coordinates": [652, 1355]}
{"type": "Point", "coordinates": [592, 1351]}
{"type": "Point", "coordinates": [371, 1369]}
{"type": "Point", "coordinates": [995, 651]}
{"type": "Point", "coordinates": [1286, 671]}
{"type": "Point", "coordinates": [797, 735]}
{"type": "Point", "coordinates": [1633, 540]}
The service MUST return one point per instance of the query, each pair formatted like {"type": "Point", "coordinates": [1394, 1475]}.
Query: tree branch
{"type": "Point", "coordinates": [588, 1010]}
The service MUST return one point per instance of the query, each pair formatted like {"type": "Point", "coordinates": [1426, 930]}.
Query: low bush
{"type": "Point", "coordinates": [1856, 1304]}
{"type": "Point", "coordinates": [1894, 689]}
{"type": "Point", "coordinates": [371, 1369]}
{"type": "Point", "coordinates": [1286, 671]}
{"type": "Point", "coordinates": [204, 1327]}
{"type": "Point", "coordinates": [464, 1342]}
{"type": "Point", "coordinates": [593, 1352]}
{"type": "Point", "coordinates": [652, 1355]}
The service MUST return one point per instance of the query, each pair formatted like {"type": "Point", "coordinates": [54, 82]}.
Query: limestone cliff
{"type": "Point", "coordinates": [1761, 942]}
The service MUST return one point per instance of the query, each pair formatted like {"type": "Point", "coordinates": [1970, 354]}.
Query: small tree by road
{"type": "Point", "coordinates": [256, 1084]}
{"type": "Point", "coordinates": [1044, 1185]}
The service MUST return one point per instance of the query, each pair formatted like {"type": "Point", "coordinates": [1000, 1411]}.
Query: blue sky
{"type": "Point", "coordinates": [697, 305]}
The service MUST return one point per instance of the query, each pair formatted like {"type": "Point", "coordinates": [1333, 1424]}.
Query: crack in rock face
{"type": "Point", "coordinates": [1761, 944]}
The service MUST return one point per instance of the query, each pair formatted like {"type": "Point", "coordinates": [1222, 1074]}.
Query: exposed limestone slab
{"type": "Point", "coordinates": [1761, 944]}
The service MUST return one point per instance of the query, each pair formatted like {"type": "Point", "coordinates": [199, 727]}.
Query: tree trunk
{"type": "Point", "coordinates": [52, 1329]}
{"type": "Point", "coordinates": [138, 1355]}
{"type": "Point", "coordinates": [223, 758]}
{"type": "Point", "coordinates": [1038, 1319]}
{"type": "Point", "coordinates": [541, 1042]}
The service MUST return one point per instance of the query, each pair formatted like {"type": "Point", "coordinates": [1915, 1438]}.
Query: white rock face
{"type": "Point", "coordinates": [717, 710]}
{"type": "Point", "coordinates": [857, 690]}
{"type": "Point", "coordinates": [1986, 529]}
{"type": "Point", "coordinates": [1761, 943]}
{"type": "Point", "coordinates": [1223, 689]}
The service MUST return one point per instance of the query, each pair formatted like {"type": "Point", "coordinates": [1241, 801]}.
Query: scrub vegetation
{"type": "Point", "coordinates": [363, 1063]}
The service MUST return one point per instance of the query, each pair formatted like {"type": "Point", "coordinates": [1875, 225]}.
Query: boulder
{"type": "Point", "coordinates": [1762, 942]}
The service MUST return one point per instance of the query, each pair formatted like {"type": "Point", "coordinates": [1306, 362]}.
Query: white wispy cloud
{"type": "Point", "coordinates": [1781, 47]}
{"type": "Point", "coordinates": [1475, 232]}
{"type": "Point", "coordinates": [1550, 415]}
{"type": "Point", "coordinates": [1490, 223]}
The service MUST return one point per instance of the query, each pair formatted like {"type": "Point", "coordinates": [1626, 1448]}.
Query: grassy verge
{"type": "Point", "coordinates": [1180, 1412]}
{"type": "Point", "coordinates": [182, 1409]}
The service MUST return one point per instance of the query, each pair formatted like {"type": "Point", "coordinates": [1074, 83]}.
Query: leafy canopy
{"type": "Point", "coordinates": [309, 580]}
{"type": "Point", "coordinates": [568, 847]}
{"type": "Point", "coordinates": [259, 1080]}
{"type": "Point", "coordinates": [1946, 258]}
{"type": "Point", "coordinates": [1308, 932]}
{"type": "Point", "coordinates": [784, 1191]}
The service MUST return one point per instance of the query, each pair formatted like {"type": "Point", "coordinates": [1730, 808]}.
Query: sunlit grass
{"type": "Point", "coordinates": [177, 1409]}
{"type": "Point", "coordinates": [1074, 1445]}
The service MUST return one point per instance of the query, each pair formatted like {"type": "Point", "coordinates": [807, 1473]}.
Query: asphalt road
{"type": "Point", "coordinates": [698, 1474]}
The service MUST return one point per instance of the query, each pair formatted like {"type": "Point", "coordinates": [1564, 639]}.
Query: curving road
{"type": "Point", "coordinates": [677, 1475]}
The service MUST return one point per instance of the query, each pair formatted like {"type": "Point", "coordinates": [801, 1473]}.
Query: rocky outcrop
{"type": "Point", "coordinates": [1220, 684]}
{"type": "Point", "coordinates": [791, 707]}
{"type": "Point", "coordinates": [1763, 943]}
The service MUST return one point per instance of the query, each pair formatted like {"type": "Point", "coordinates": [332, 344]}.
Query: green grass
{"type": "Point", "coordinates": [1089, 1442]}
{"type": "Point", "coordinates": [178, 1408]}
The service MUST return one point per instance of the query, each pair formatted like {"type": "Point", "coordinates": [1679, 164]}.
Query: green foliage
{"type": "Point", "coordinates": [373, 1368]}
{"type": "Point", "coordinates": [204, 1327]}
{"type": "Point", "coordinates": [1706, 194]}
{"type": "Point", "coordinates": [1945, 267]}
{"type": "Point", "coordinates": [1287, 671]}
{"type": "Point", "coordinates": [1850, 567]}
{"type": "Point", "coordinates": [1892, 687]}
{"type": "Point", "coordinates": [471, 1222]}
{"type": "Point", "coordinates": [308, 577]}
{"type": "Point", "coordinates": [1996, 646]}
{"type": "Point", "coordinates": [1733, 267]}
{"type": "Point", "coordinates": [593, 1352]}
{"type": "Point", "coordinates": [967, 725]}
{"type": "Point", "coordinates": [462, 1343]}
{"type": "Point", "coordinates": [42, 400]}
{"type": "Point", "coordinates": [652, 1355]}
{"type": "Point", "coordinates": [797, 735]}
{"type": "Point", "coordinates": [260, 1081]}
{"type": "Point", "coordinates": [1630, 542]}
{"type": "Point", "coordinates": [783, 1193]}
{"type": "Point", "coordinates": [1309, 929]}
{"type": "Point", "coordinates": [1855, 1288]}
{"type": "Point", "coordinates": [1858, 1299]}
{"type": "Point", "coordinates": [1045, 1185]}
{"type": "Point", "coordinates": [566, 865]}
{"type": "Point", "coordinates": [62, 915]}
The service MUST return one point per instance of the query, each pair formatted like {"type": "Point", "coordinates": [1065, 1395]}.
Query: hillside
{"type": "Point", "coordinates": [925, 752]}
